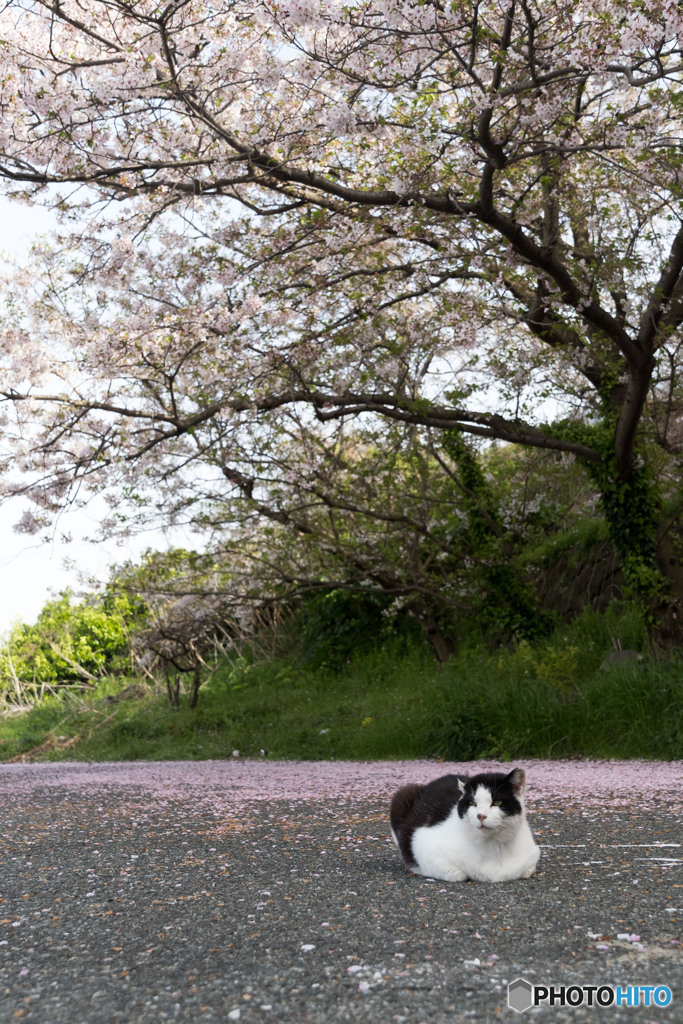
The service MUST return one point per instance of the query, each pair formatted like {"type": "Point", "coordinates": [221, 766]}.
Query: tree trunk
{"type": "Point", "coordinates": [647, 547]}
{"type": "Point", "coordinates": [443, 646]}
{"type": "Point", "coordinates": [172, 689]}
{"type": "Point", "coordinates": [669, 624]}
{"type": "Point", "coordinates": [196, 683]}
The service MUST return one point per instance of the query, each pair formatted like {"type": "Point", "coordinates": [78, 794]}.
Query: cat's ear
{"type": "Point", "coordinates": [461, 785]}
{"type": "Point", "coordinates": [517, 779]}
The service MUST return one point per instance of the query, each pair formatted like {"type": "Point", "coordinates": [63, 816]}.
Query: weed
{"type": "Point", "coordinates": [543, 699]}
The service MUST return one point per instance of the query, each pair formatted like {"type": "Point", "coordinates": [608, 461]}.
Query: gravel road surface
{"type": "Point", "coordinates": [270, 892]}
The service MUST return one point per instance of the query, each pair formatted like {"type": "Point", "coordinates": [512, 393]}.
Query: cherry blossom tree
{"type": "Point", "coordinates": [383, 510]}
{"type": "Point", "coordinates": [455, 217]}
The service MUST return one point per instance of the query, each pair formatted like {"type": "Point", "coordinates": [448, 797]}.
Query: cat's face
{"type": "Point", "coordinates": [492, 803]}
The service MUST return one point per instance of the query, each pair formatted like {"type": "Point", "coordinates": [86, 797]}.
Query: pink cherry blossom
{"type": "Point", "coordinates": [283, 217]}
{"type": "Point", "coordinates": [607, 786]}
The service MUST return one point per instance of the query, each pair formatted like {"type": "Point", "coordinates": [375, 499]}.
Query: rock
{"type": "Point", "coordinates": [619, 658]}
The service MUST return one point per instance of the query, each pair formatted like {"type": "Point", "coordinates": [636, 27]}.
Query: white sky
{"type": "Point", "coordinates": [29, 568]}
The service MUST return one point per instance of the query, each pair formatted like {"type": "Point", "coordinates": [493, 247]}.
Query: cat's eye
{"type": "Point", "coordinates": [497, 803]}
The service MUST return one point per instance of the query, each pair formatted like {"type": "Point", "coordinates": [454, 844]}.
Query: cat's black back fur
{"type": "Point", "coordinates": [414, 806]}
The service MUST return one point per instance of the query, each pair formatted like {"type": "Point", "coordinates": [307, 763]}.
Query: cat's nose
{"type": "Point", "coordinates": [482, 817]}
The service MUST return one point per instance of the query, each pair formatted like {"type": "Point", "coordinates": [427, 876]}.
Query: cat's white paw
{"type": "Point", "coordinates": [450, 873]}
{"type": "Point", "coordinates": [529, 868]}
{"type": "Point", "coordinates": [456, 876]}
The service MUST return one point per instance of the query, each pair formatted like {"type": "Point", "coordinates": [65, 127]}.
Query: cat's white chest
{"type": "Point", "coordinates": [454, 850]}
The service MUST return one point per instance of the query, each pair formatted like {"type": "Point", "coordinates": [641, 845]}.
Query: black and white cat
{"type": "Point", "coordinates": [457, 828]}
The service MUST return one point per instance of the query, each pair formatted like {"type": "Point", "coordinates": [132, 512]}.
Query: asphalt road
{"type": "Point", "coordinates": [119, 906]}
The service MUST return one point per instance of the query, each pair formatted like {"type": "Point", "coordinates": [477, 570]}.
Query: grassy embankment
{"type": "Point", "coordinates": [545, 700]}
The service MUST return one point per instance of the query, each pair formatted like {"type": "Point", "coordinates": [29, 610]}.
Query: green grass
{"type": "Point", "coordinates": [293, 712]}
{"type": "Point", "coordinates": [545, 700]}
{"type": "Point", "coordinates": [501, 713]}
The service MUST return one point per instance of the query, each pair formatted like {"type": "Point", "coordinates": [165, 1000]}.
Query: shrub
{"type": "Point", "coordinates": [68, 642]}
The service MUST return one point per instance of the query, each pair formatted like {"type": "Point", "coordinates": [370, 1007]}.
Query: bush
{"type": "Point", "coordinates": [336, 626]}
{"type": "Point", "coordinates": [552, 700]}
{"type": "Point", "coordinates": [68, 642]}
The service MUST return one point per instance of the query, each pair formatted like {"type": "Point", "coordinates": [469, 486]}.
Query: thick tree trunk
{"type": "Point", "coordinates": [648, 547]}
{"type": "Point", "coordinates": [443, 646]}
{"type": "Point", "coordinates": [668, 616]}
